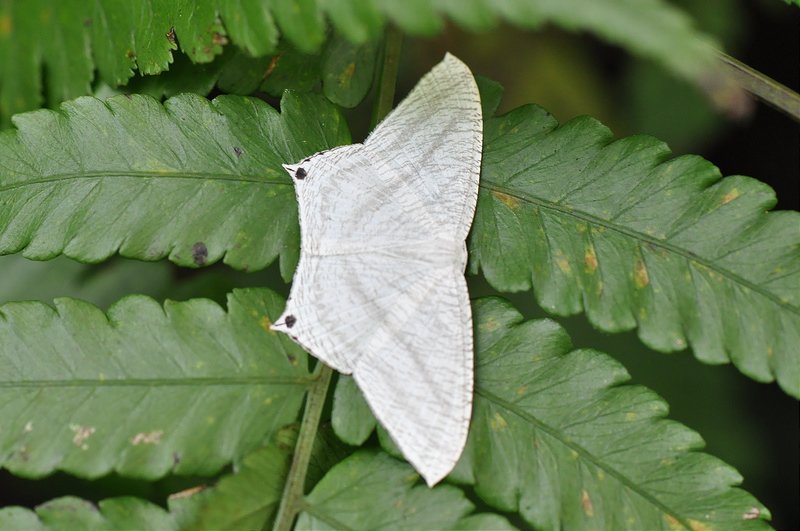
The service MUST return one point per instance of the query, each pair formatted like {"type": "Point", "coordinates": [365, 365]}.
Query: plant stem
{"type": "Point", "coordinates": [763, 87]}
{"type": "Point", "coordinates": [295, 482]}
{"type": "Point", "coordinates": [391, 61]}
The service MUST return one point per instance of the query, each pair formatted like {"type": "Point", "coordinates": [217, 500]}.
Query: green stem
{"type": "Point", "coordinates": [763, 87]}
{"type": "Point", "coordinates": [391, 61]}
{"type": "Point", "coordinates": [295, 482]}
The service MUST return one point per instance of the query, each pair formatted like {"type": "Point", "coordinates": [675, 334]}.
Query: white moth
{"type": "Point", "coordinates": [379, 292]}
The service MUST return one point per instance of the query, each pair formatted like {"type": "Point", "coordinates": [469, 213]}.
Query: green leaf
{"type": "Point", "coordinates": [348, 71]}
{"type": "Point", "coordinates": [248, 498]}
{"type": "Point", "coordinates": [636, 239]}
{"type": "Point", "coordinates": [358, 20]}
{"type": "Point", "coordinates": [370, 490]}
{"type": "Point", "coordinates": [352, 419]}
{"type": "Point", "coordinates": [302, 23]}
{"type": "Point", "coordinates": [133, 391]}
{"type": "Point", "coordinates": [74, 513]}
{"type": "Point", "coordinates": [557, 438]}
{"type": "Point", "coordinates": [69, 39]}
{"type": "Point", "coordinates": [18, 518]}
{"type": "Point", "coordinates": [327, 451]}
{"type": "Point", "coordinates": [194, 180]}
{"type": "Point", "coordinates": [293, 70]}
{"type": "Point", "coordinates": [126, 512]}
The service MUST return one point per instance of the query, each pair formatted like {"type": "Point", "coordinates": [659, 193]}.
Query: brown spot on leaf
{"type": "Point", "coordinates": [199, 253]}
{"type": "Point", "coordinates": [590, 259]}
{"type": "Point", "coordinates": [699, 526]}
{"type": "Point", "coordinates": [509, 200]}
{"type": "Point", "coordinates": [23, 453]}
{"type": "Point", "coordinates": [563, 265]}
{"type": "Point", "coordinates": [347, 74]}
{"type": "Point", "coordinates": [238, 151]}
{"type": "Point", "coordinates": [219, 39]}
{"type": "Point", "coordinates": [171, 35]}
{"type": "Point", "coordinates": [752, 513]}
{"type": "Point", "coordinates": [640, 275]}
{"type": "Point", "coordinates": [272, 64]}
{"type": "Point", "coordinates": [188, 493]}
{"type": "Point", "coordinates": [6, 25]}
{"type": "Point", "coordinates": [586, 503]}
{"type": "Point", "coordinates": [730, 196]}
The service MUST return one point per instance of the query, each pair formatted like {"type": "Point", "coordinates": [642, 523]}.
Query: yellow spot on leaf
{"type": "Point", "coordinates": [590, 259]}
{"type": "Point", "coordinates": [497, 422]}
{"type": "Point", "coordinates": [150, 437]}
{"type": "Point", "coordinates": [489, 325]}
{"type": "Point", "coordinates": [601, 476]}
{"type": "Point", "coordinates": [586, 503]}
{"type": "Point", "coordinates": [573, 454]}
{"type": "Point", "coordinates": [672, 522]}
{"type": "Point", "coordinates": [347, 75]}
{"type": "Point", "coordinates": [630, 416]}
{"type": "Point", "coordinates": [265, 324]}
{"type": "Point", "coordinates": [508, 200]}
{"type": "Point", "coordinates": [563, 265]}
{"type": "Point", "coordinates": [211, 420]}
{"type": "Point", "coordinates": [770, 351]}
{"type": "Point", "coordinates": [640, 276]}
{"type": "Point", "coordinates": [28, 427]}
{"type": "Point", "coordinates": [521, 390]}
{"type": "Point", "coordinates": [730, 196]}
{"type": "Point", "coordinates": [699, 526]}
{"type": "Point", "coordinates": [5, 25]}
{"type": "Point", "coordinates": [200, 364]}
{"type": "Point", "coordinates": [188, 493]}
{"type": "Point", "coordinates": [267, 401]}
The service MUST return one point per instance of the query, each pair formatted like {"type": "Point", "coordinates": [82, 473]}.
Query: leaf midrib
{"type": "Point", "coordinates": [650, 240]}
{"type": "Point", "coordinates": [584, 453]}
{"type": "Point", "coordinates": [161, 382]}
{"type": "Point", "coordinates": [204, 176]}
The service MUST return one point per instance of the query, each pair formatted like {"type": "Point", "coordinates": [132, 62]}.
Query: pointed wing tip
{"type": "Point", "coordinates": [290, 168]}
{"type": "Point", "coordinates": [432, 479]}
{"type": "Point", "coordinates": [451, 61]}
